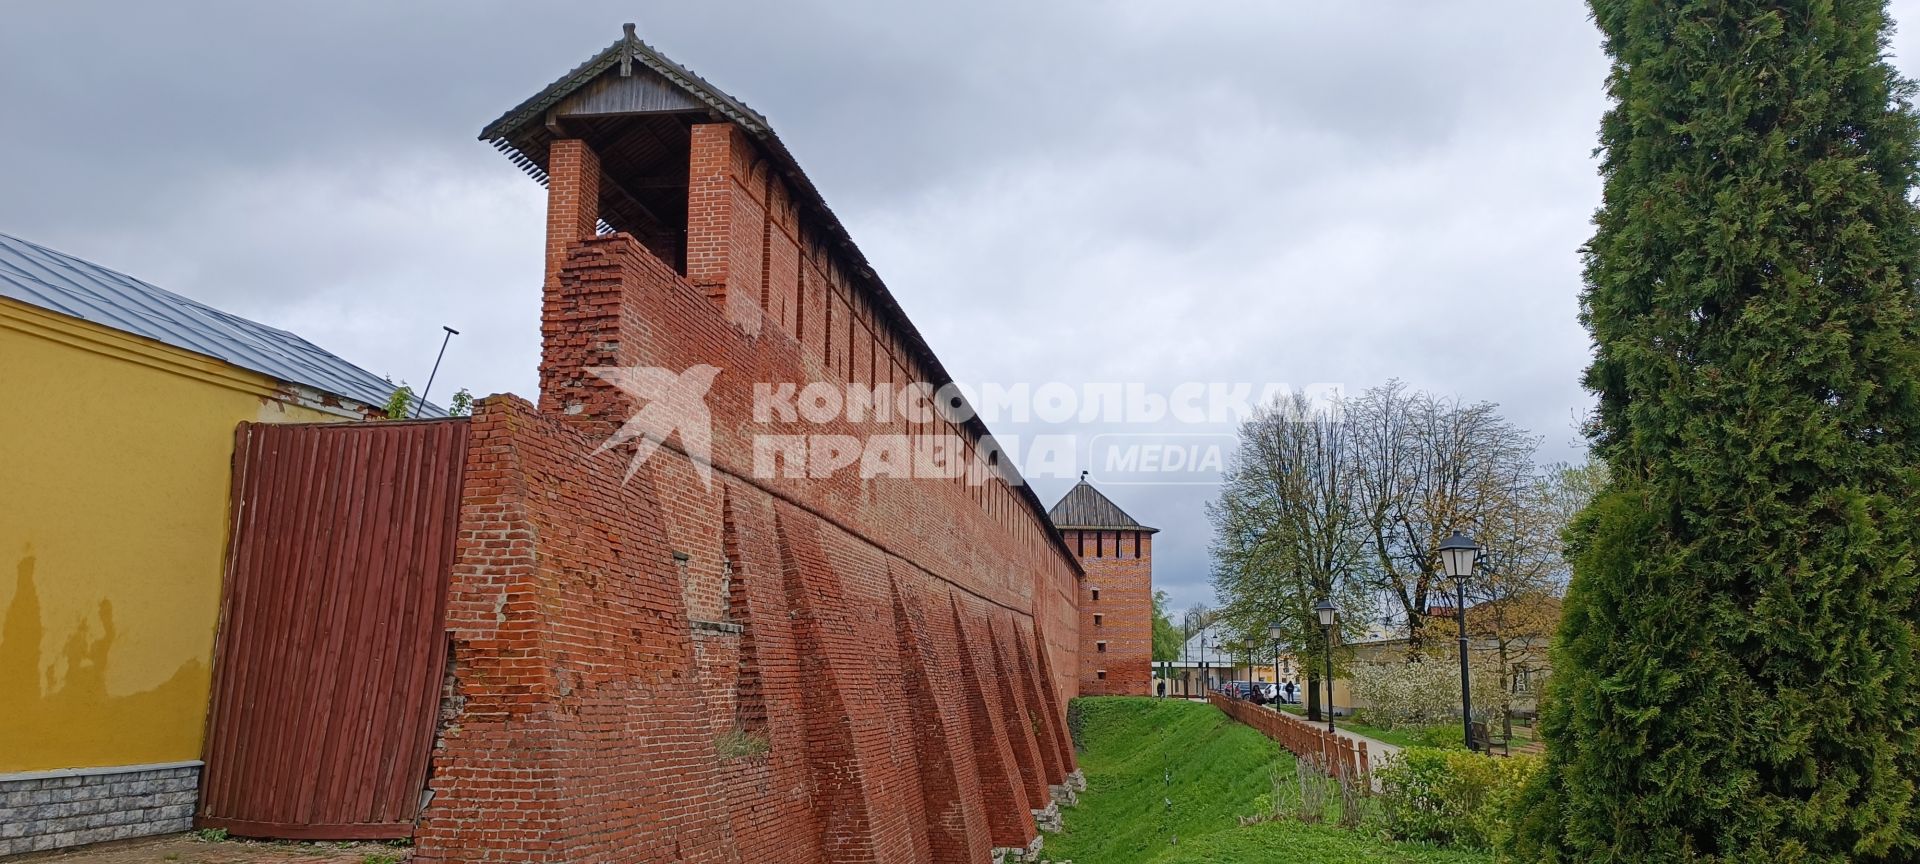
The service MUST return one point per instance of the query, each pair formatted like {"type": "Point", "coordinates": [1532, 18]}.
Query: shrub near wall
{"type": "Point", "coordinates": [1416, 695]}
{"type": "Point", "coordinates": [1452, 797]}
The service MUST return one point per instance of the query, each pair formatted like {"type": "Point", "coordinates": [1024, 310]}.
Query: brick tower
{"type": "Point", "coordinates": [1116, 598]}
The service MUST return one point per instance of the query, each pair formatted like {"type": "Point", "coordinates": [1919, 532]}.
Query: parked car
{"type": "Point", "coordinates": [1237, 689]}
{"type": "Point", "coordinates": [1268, 691]}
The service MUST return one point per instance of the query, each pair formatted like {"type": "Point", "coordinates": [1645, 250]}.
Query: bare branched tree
{"type": "Point", "coordinates": [1514, 603]}
{"type": "Point", "coordinates": [1286, 535]}
{"type": "Point", "coordinates": [1424, 467]}
{"type": "Point", "coordinates": [1349, 502]}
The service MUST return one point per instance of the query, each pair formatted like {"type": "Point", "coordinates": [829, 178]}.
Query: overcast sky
{"type": "Point", "coordinates": [1071, 191]}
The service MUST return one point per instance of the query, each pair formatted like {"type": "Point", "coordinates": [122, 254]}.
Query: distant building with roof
{"type": "Point", "coordinates": [1116, 597]}
{"type": "Point", "coordinates": [116, 446]}
{"type": "Point", "coordinates": [1212, 656]}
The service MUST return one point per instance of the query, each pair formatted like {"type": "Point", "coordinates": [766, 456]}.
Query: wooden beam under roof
{"type": "Point", "coordinates": [644, 92]}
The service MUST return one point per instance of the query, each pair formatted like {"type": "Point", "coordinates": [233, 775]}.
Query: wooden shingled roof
{"type": "Point", "coordinates": [1084, 508]}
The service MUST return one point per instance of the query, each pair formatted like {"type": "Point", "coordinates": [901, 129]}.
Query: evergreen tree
{"type": "Point", "coordinates": [1735, 675]}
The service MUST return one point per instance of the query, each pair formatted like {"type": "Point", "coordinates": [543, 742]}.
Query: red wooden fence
{"type": "Point", "coordinates": [331, 651]}
{"type": "Point", "coordinates": [1338, 756]}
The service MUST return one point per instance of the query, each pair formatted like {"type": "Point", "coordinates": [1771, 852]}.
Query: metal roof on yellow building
{"type": "Point", "coordinates": [39, 276]}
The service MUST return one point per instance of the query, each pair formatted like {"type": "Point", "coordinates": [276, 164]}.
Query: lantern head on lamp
{"type": "Point", "coordinates": [1458, 554]}
{"type": "Point", "coordinates": [1324, 609]}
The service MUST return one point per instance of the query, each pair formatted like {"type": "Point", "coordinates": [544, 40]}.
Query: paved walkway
{"type": "Point", "coordinates": [1377, 751]}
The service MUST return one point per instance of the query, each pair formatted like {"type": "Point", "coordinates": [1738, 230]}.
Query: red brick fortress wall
{"type": "Point", "coordinates": [1116, 627]}
{"type": "Point", "coordinates": [736, 667]}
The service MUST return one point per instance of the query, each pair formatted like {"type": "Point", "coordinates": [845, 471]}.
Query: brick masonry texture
{"type": "Point", "coordinates": [54, 810]}
{"type": "Point", "coordinates": [1119, 565]}
{"type": "Point", "coordinates": [786, 669]}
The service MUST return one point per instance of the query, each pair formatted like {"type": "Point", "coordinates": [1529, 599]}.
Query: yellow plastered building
{"type": "Point", "coordinates": [116, 442]}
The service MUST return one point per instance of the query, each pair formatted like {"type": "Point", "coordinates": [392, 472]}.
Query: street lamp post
{"type": "Point", "coordinates": [1206, 668]}
{"type": "Point", "coordinates": [1324, 609]}
{"type": "Point", "coordinates": [1273, 635]}
{"type": "Point", "coordinates": [1458, 554]}
{"type": "Point", "coordinates": [1186, 636]}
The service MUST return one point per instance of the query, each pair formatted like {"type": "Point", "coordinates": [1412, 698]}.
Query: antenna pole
{"type": "Point", "coordinates": [436, 369]}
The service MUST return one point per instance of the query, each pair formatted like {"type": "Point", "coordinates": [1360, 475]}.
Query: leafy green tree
{"type": "Point", "coordinates": [1735, 675]}
{"type": "Point", "coordinates": [1166, 635]}
{"type": "Point", "coordinates": [400, 403]}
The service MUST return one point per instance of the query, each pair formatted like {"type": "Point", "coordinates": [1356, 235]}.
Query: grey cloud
{"type": "Point", "coordinates": [1075, 191]}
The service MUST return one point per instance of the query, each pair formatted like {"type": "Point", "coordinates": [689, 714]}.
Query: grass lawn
{"type": "Point", "coordinates": [1396, 737]}
{"type": "Point", "coordinates": [1219, 771]}
{"type": "Point", "coordinates": [1294, 843]}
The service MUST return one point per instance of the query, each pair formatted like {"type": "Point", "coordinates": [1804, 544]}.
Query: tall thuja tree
{"type": "Point", "coordinates": [1735, 675]}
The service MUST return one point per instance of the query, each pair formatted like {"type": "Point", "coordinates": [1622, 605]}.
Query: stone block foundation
{"type": "Point", "coordinates": [42, 810]}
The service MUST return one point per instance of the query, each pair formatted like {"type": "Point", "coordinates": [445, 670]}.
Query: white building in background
{"type": "Point", "coordinates": [1210, 658]}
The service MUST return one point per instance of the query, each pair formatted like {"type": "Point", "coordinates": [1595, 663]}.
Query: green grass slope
{"type": "Point", "coordinates": [1219, 772]}
{"type": "Point", "coordinates": [1293, 843]}
{"type": "Point", "coordinates": [1218, 768]}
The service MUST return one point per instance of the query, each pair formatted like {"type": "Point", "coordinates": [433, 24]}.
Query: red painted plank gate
{"type": "Point", "coordinates": [331, 653]}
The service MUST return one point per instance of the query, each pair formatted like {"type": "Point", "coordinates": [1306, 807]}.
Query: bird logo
{"type": "Point", "coordinates": [670, 402]}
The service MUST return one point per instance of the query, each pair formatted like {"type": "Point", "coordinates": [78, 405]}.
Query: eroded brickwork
{"type": "Point", "coordinates": [736, 667]}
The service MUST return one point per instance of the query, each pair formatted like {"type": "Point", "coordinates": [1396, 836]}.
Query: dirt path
{"type": "Point", "coordinates": [187, 849]}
